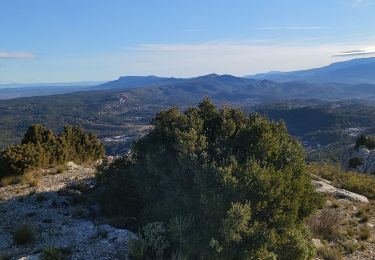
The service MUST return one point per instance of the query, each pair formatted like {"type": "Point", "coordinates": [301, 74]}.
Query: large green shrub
{"type": "Point", "coordinates": [225, 185]}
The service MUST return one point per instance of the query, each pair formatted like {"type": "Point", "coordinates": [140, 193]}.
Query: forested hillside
{"type": "Point", "coordinates": [119, 115]}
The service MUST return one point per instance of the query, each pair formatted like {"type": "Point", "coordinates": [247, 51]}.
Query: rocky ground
{"type": "Point", "coordinates": [344, 227]}
{"type": "Point", "coordinates": [61, 213]}
{"type": "Point", "coordinates": [60, 209]}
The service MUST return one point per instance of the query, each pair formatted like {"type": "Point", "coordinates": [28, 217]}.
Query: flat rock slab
{"type": "Point", "coordinates": [323, 186]}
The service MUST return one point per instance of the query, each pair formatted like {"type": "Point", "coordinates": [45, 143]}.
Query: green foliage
{"type": "Point", "coordinates": [52, 253]}
{"type": "Point", "coordinates": [17, 159]}
{"type": "Point", "coordinates": [23, 234]}
{"type": "Point", "coordinates": [137, 249]}
{"type": "Point", "coordinates": [40, 147]}
{"type": "Point", "coordinates": [5, 257]}
{"type": "Point", "coordinates": [178, 256]}
{"type": "Point", "coordinates": [368, 141]}
{"type": "Point", "coordinates": [78, 146]}
{"type": "Point", "coordinates": [362, 140]}
{"type": "Point", "coordinates": [296, 245]}
{"type": "Point", "coordinates": [155, 236]}
{"type": "Point", "coordinates": [360, 183]}
{"type": "Point", "coordinates": [226, 185]}
{"type": "Point", "coordinates": [354, 162]}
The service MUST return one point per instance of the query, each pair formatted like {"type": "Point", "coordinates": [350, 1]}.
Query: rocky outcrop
{"type": "Point", "coordinates": [62, 213]}
{"type": "Point", "coordinates": [365, 156]}
{"type": "Point", "coordinates": [325, 186]}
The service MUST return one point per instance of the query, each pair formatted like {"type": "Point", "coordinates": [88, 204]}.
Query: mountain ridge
{"type": "Point", "coordinates": [354, 71]}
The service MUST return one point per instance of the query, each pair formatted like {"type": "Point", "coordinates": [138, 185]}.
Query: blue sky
{"type": "Point", "coordinates": [82, 40]}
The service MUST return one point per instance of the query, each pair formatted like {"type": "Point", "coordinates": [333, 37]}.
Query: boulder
{"type": "Point", "coordinates": [317, 243]}
{"type": "Point", "coordinates": [324, 187]}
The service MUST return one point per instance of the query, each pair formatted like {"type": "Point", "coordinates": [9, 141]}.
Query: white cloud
{"type": "Point", "coordinates": [358, 52]}
{"type": "Point", "coordinates": [16, 55]}
{"type": "Point", "coordinates": [237, 58]}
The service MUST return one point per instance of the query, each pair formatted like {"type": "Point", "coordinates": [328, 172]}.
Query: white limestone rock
{"type": "Point", "coordinates": [324, 187]}
{"type": "Point", "coordinates": [368, 158]}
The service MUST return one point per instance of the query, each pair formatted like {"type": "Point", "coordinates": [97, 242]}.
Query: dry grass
{"type": "Point", "coordinates": [60, 169]}
{"type": "Point", "coordinates": [330, 253]}
{"type": "Point", "coordinates": [30, 178]}
{"type": "Point", "coordinates": [9, 180]}
{"type": "Point", "coordinates": [326, 224]}
{"type": "Point", "coordinates": [350, 246]}
{"type": "Point", "coordinates": [364, 232]}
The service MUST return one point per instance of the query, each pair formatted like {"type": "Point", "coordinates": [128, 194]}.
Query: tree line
{"type": "Point", "coordinates": [40, 147]}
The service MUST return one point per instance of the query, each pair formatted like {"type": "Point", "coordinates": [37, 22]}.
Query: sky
{"type": "Point", "coordinates": [85, 40]}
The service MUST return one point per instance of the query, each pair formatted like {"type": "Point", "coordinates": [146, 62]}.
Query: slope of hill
{"type": "Point", "coordinates": [355, 71]}
{"type": "Point", "coordinates": [121, 113]}
{"type": "Point", "coordinates": [227, 88]}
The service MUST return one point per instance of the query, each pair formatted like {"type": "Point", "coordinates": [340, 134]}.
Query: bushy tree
{"type": "Point", "coordinates": [226, 185]}
{"type": "Point", "coordinates": [368, 141]}
{"type": "Point", "coordinates": [80, 146]}
{"type": "Point", "coordinates": [40, 135]}
{"type": "Point", "coordinates": [17, 159]}
{"type": "Point", "coordinates": [41, 147]}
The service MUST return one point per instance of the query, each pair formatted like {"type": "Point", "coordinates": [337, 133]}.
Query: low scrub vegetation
{"type": "Point", "coordinates": [326, 224]}
{"type": "Point", "coordinates": [40, 147]}
{"type": "Point", "coordinates": [330, 253]}
{"type": "Point", "coordinates": [360, 183]}
{"type": "Point", "coordinates": [365, 232]}
{"type": "Point", "coordinates": [354, 162]}
{"type": "Point", "coordinates": [24, 234]}
{"type": "Point", "coordinates": [368, 141]}
{"type": "Point", "coordinates": [212, 183]}
{"type": "Point", "coordinates": [52, 253]}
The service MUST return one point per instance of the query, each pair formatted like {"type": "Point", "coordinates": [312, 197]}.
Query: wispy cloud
{"type": "Point", "coordinates": [16, 55]}
{"type": "Point", "coordinates": [230, 57]}
{"type": "Point", "coordinates": [359, 52]}
{"type": "Point", "coordinates": [292, 28]}
{"type": "Point", "coordinates": [358, 3]}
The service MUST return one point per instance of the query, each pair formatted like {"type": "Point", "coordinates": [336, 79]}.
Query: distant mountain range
{"type": "Point", "coordinates": [221, 88]}
{"type": "Point", "coordinates": [357, 71]}
{"type": "Point", "coordinates": [330, 82]}
{"type": "Point", "coordinates": [231, 89]}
